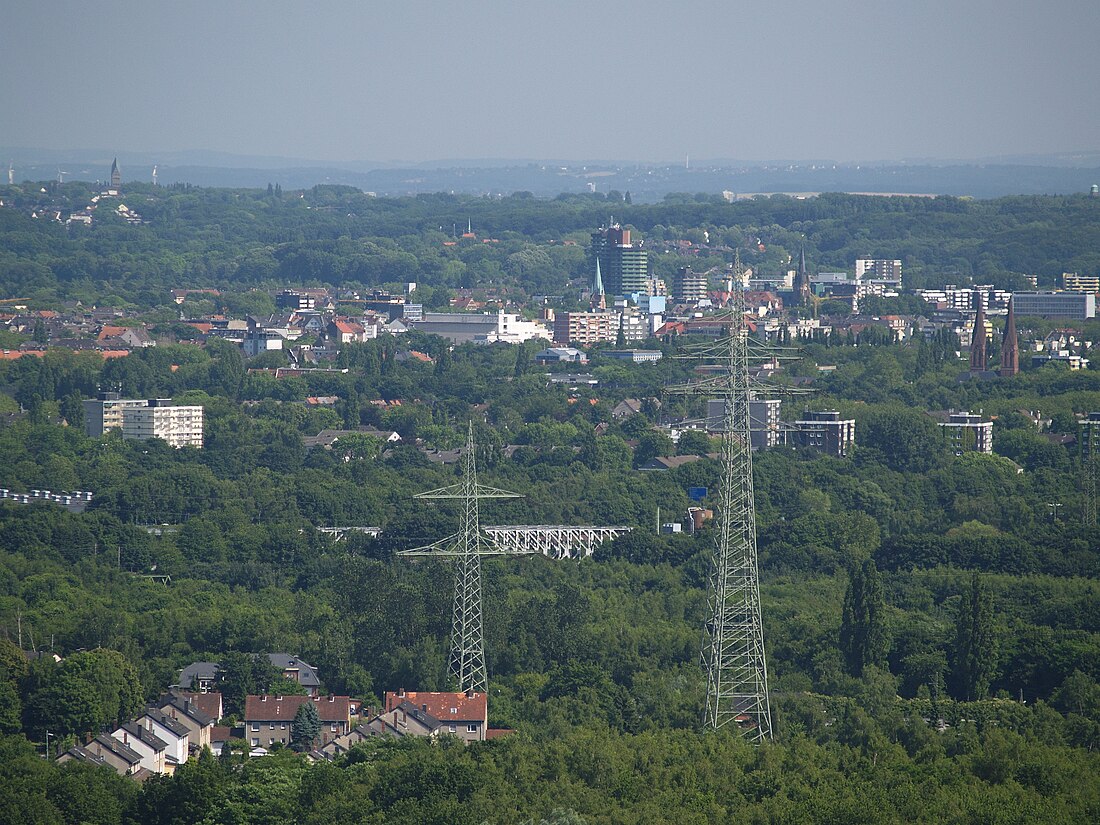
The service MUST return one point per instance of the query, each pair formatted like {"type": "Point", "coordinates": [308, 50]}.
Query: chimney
{"type": "Point", "coordinates": [470, 694]}
{"type": "Point", "coordinates": [401, 692]}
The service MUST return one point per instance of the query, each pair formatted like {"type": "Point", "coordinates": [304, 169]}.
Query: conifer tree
{"type": "Point", "coordinates": [975, 647]}
{"type": "Point", "coordinates": [863, 639]}
{"type": "Point", "coordinates": [306, 727]}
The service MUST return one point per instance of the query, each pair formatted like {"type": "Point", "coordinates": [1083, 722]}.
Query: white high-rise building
{"type": "Point", "coordinates": [159, 418]}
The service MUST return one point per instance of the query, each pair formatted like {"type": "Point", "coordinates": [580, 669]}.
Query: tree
{"type": "Point", "coordinates": [694, 442]}
{"type": "Point", "coordinates": [975, 648]}
{"type": "Point", "coordinates": [306, 727]}
{"type": "Point", "coordinates": [863, 639]}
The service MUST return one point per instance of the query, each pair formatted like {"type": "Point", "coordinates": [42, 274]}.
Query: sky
{"type": "Point", "coordinates": [645, 81]}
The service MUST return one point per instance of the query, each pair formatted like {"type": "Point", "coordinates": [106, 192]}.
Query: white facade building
{"type": "Point", "coordinates": [179, 426]}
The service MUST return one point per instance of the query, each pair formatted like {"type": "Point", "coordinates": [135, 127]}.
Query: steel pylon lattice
{"type": "Point", "coordinates": [467, 546]}
{"type": "Point", "coordinates": [733, 655]}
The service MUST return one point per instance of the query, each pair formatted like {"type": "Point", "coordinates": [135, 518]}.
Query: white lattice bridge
{"type": "Point", "coordinates": [554, 540]}
{"type": "Point", "coordinates": [340, 533]}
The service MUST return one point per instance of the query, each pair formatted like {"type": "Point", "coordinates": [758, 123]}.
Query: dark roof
{"type": "Point", "coordinates": [198, 670]}
{"type": "Point", "coordinates": [307, 674]}
{"type": "Point", "coordinates": [140, 734]}
{"type": "Point", "coordinates": [116, 747]}
{"type": "Point", "coordinates": [420, 715]}
{"type": "Point", "coordinates": [83, 755]}
{"type": "Point", "coordinates": [164, 720]}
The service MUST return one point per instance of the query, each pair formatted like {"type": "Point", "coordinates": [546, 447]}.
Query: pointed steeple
{"type": "Point", "coordinates": [116, 175]}
{"type": "Point", "coordinates": [977, 342]}
{"type": "Point", "coordinates": [1010, 347]}
{"type": "Point", "coordinates": [598, 298]}
{"type": "Point", "coordinates": [802, 281]}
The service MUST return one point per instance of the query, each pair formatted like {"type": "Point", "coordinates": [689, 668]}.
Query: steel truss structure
{"type": "Point", "coordinates": [467, 546]}
{"type": "Point", "coordinates": [553, 540]}
{"type": "Point", "coordinates": [732, 653]}
{"type": "Point", "coordinates": [341, 533]}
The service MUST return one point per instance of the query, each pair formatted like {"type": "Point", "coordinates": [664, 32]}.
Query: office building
{"type": "Point", "coordinates": [967, 432]}
{"type": "Point", "coordinates": [159, 418]}
{"type": "Point", "coordinates": [104, 412]}
{"type": "Point", "coordinates": [824, 431]}
{"type": "Point", "coordinates": [1078, 306]}
{"type": "Point", "coordinates": [624, 265]}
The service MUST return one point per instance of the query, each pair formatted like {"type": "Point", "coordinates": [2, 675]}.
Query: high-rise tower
{"type": "Point", "coordinates": [977, 342]}
{"type": "Point", "coordinates": [625, 264]}
{"type": "Point", "coordinates": [116, 175]}
{"type": "Point", "coordinates": [1010, 346]}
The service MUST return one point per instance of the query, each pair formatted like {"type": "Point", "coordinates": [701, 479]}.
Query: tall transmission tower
{"type": "Point", "coordinates": [733, 655]}
{"type": "Point", "coordinates": [467, 546]}
{"type": "Point", "coordinates": [1089, 455]}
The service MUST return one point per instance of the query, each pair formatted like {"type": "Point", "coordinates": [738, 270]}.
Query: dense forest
{"type": "Point", "coordinates": [932, 620]}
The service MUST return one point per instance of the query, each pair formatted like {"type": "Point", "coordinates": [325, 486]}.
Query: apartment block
{"type": "Point", "coordinates": [158, 418]}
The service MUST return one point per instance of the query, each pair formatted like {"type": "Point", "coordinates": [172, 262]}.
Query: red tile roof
{"type": "Point", "coordinates": [110, 332]}
{"type": "Point", "coordinates": [446, 707]}
{"type": "Point", "coordinates": [208, 703]}
{"type": "Point", "coordinates": [283, 708]}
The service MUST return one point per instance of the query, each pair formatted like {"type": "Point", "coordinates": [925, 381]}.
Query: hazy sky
{"type": "Point", "coordinates": [649, 80]}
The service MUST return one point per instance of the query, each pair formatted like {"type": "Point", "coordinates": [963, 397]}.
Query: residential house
{"type": "Point", "coordinates": [269, 720]}
{"type": "Point", "coordinates": [199, 676]}
{"type": "Point", "coordinates": [560, 355]}
{"type": "Point", "coordinates": [174, 733]}
{"type": "Point", "coordinates": [296, 670]}
{"type": "Point", "coordinates": [209, 703]}
{"type": "Point", "coordinates": [152, 749]}
{"type": "Point", "coordinates": [464, 715]}
{"type": "Point", "coordinates": [179, 707]}
{"type": "Point", "coordinates": [109, 751]}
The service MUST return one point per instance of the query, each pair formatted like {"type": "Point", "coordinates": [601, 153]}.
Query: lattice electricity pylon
{"type": "Point", "coordinates": [467, 546]}
{"type": "Point", "coordinates": [733, 653]}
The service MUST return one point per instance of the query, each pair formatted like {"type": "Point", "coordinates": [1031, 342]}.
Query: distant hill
{"type": "Point", "coordinates": [1024, 175]}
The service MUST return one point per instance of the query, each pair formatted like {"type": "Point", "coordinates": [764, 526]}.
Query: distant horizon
{"type": "Point", "coordinates": [206, 156]}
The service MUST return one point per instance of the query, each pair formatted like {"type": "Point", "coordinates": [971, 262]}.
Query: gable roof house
{"type": "Point", "coordinates": [152, 749]}
{"type": "Point", "coordinates": [465, 715]}
{"type": "Point", "coordinates": [182, 709]}
{"type": "Point", "coordinates": [124, 759]}
{"type": "Point", "coordinates": [296, 670]}
{"type": "Point", "coordinates": [269, 719]}
{"type": "Point", "coordinates": [174, 733]}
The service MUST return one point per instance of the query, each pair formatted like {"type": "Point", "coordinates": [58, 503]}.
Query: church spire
{"type": "Point", "coordinates": [116, 175]}
{"type": "Point", "coordinates": [1010, 347]}
{"type": "Point", "coordinates": [977, 342]}
{"type": "Point", "coordinates": [598, 298]}
{"type": "Point", "coordinates": [802, 281]}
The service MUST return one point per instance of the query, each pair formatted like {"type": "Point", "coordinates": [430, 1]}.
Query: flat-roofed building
{"type": "Point", "coordinates": [104, 412]}
{"type": "Point", "coordinates": [1079, 306]}
{"type": "Point", "coordinates": [480, 328]}
{"type": "Point", "coordinates": [180, 426]}
{"type": "Point", "coordinates": [967, 432]}
{"type": "Point", "coordinates": [824, 431]}
{"type": "Point", "coordinates": [1080, 283]}
{"type": "Point", "coordinates": [882, 268]}
{"type": "Point", "coordinates": [764, 425]}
